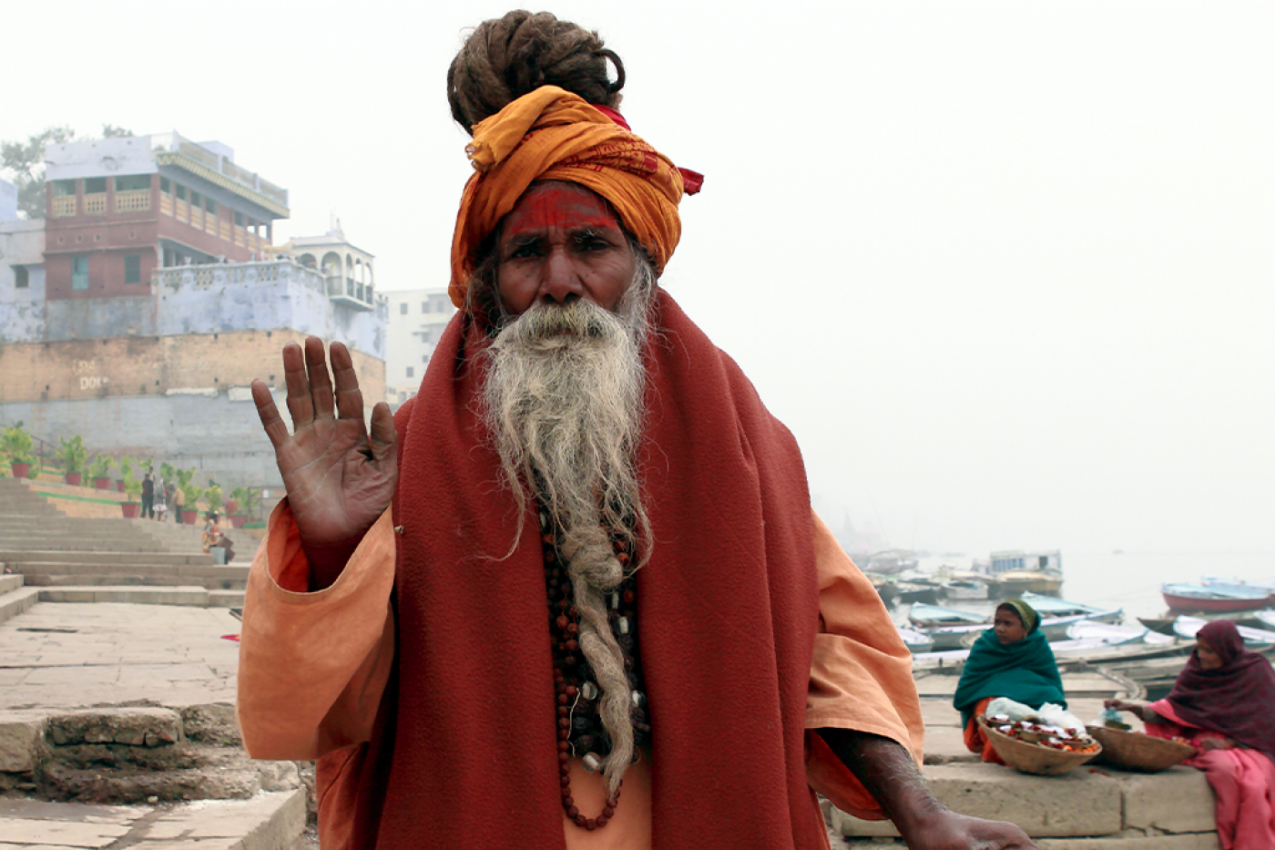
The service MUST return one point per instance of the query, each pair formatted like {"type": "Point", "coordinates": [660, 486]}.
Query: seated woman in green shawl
{"type": "Point", "coordinates": [1013, 660]}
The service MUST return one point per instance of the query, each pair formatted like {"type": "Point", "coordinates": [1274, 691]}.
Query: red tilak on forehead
{"type": "Point", "coordinates": [556, 204]}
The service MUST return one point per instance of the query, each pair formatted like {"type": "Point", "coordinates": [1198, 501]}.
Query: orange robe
{"type": "Point", "coordinates": [313, 668]}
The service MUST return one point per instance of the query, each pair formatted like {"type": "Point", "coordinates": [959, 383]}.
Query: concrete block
{"type": "Point", "coordinates": [17, 601]}
{"type": "Point", "coordinates": [19, 738]}
{"type": "Point", "coordinates": [225, 598]}
{"type": "Point", "coordinates": [1175, 800]}
{"type": "Point", "coordinates": [1076, 804]}
{"type": "Point", "coordinates": [1192, 841]}
{"type": "Point", "coordinates": [134, 726]}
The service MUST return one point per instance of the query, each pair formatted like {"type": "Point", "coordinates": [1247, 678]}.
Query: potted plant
{"type": "Point", "coordinates": [16, 443]}
{"type": "Point", "coordinates": [192, 492]}
{"type": "Point", "coordinates": [100, 472]}
{"type": "Point", "coordinates": [212, 493]}
{"type": "Point", "coordinates": [126, 471]}
{"type": "Point", "coordinates": [72, 454]}
{"type": "Point", "coordinates": [240, 497]}
{"type": "Point", "coordinates": [132, 506]}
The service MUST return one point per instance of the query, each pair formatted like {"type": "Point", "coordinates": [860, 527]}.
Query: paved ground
{"type": "Point", "coordinates": [62, 654]}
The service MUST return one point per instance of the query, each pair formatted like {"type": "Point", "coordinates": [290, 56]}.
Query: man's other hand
{"type": "Point", "coordinates": [947, 830]}
{"type": "Point", "coordinates": [339, 478]}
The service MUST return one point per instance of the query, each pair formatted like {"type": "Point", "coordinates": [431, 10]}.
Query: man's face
{"type": "Point", "coordinates": [561, 242]}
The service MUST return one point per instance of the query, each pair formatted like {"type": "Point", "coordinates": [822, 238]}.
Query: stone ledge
{"type": "Point", "coordinates": [138, 595]}
{"type": "Point", "coordinates": [1090, 804]}
{"type": "Point", "coordinates": [20, 734]}
{"type": "Point", "coordinates": [135, 727]}
{"type": "Point", "coordinates": [1194, 841]}
{"type": "Point", "coordinates": [17, 601]}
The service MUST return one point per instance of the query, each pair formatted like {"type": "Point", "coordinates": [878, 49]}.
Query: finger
{"type": "Point", "coordinates": [299, 406]}
{"type": "Point", "coordinates": [276, 428]}
{"type": "Point", "coordinates": [384, 439]}
{"type": "Point", "coordinates": [320, 384]}
{"type": "Point", "coordinates": [349, 398]}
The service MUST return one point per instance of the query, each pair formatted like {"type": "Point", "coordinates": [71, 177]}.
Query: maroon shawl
{"type": "Point", "coordinates": [1234, 699]}
{"type": "Point", "coordinates": [465, 749]}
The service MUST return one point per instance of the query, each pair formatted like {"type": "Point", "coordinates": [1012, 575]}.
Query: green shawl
{"type": "Point", "coordinates": [1024, 672]}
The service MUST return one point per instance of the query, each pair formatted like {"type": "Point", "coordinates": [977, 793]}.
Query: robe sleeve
{"type": "Point", "coordinates": [860, 677]}
{"type": "Point", "coordinates": [313, 666]}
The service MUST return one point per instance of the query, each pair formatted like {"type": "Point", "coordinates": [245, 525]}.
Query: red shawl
{"type": "Point", "coordinates": [1234, 699]}
{"type": "Point", "coordinates": [464, 754]}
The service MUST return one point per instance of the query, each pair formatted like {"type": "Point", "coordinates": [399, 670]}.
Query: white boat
{"type": "Point", "coordinates": [916, 641]}
{"type": "Point", "coordinates": [1257, 639]}
{"type": "Point", "coordinates": [1113, 635]}
{"type": "Point", "coordinates": [1266, 617]}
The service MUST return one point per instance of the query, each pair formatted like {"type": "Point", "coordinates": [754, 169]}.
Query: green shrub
{"type": "Point", "coordinates": [72, 454]}
{"type": "Point", "coordinates": [16, 443]}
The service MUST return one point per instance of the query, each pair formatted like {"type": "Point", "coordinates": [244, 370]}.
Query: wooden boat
{"type": "Point", "coordinates": [1112, 635]}
{"type": "Point", "coordinates": [924, 615]}
{"type": "Point", "coordinates": [1050, 606]}
{"type": "Point", "coordinates": [1017, 582]}
{"type": "Point", "coordinates": [1255, 639]}
{"type": "Point", "coordinates": [1214, 599]}
{"type": "Point", "coordinates": [925, 594]}
{"type": "Point", "coordinates": [962, 589]}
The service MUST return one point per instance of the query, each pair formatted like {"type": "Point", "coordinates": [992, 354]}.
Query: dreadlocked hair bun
{"type": "Point", "coordinates": [506, 58]}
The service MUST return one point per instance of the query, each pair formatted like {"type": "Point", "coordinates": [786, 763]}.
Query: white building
{"type": "Point", "coordinates": [1040, 560]}
{"type": "Point", "coordinates": [417, 320]}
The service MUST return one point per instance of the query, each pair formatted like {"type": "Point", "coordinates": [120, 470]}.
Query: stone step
{"type": "Point", "coordinates": [85, 556]}
{"type": "Point", "coordinates": [14, 602]}
{"type": "Point", "coordinates": [62, 544]}
{"type": "Point", "coordinates": [225, 598]}
{"type": "Point", "coordinates": [1095, 802]}
{"type": "Point", "coordinates": [186, 595]}
{"type": "Point", "coordinates": [129, 580]}
{"type": "Point", "coordinates": [10, 582]}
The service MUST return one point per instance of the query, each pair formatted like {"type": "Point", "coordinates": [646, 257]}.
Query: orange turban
{"type": "Point", "coordinates": [552, 134]}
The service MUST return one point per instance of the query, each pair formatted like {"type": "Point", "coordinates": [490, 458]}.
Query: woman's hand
{"type": "Point", "coordinates": [1134, 706]}
{"type": "Point", "coordinates": [1217, 744]}
{"type": "Point", "coordinates": [339, 478]}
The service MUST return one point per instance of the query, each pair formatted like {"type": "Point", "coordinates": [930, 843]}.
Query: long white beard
{"type": "Point", "coordinates": [564, 404]}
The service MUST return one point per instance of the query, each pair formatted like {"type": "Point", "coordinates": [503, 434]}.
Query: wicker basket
{"type": "Point", "coordinates": [1136, 751]}
{"type": "Point", "coordinates": [1033, 758]}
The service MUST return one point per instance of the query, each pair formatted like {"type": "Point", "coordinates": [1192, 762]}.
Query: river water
{"type": "Point", "coordinates": [1130, 580]}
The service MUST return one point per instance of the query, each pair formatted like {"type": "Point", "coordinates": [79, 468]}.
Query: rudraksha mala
{"type": "Point", "coordinates": [580, 729]}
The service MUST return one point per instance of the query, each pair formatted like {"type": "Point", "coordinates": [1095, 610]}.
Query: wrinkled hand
{"type": "Point", "coordinates": [947, 830]}
{"type": "Point", "coordinates": [1123, 705]}
{"type": "Point", "coordinates": [338, 477]}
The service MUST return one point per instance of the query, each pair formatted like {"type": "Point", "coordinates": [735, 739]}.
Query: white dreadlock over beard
{"type": "Point", "coordinates": [564, 404]}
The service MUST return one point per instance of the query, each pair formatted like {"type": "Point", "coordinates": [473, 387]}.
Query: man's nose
{"type": "Point", "coordinates": [561, 282]}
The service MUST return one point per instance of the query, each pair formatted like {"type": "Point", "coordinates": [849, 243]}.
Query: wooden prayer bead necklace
{"type": "Point", "coordinates": [579, 726]}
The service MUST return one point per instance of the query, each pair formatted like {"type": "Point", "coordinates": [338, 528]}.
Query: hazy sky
{"type": "Point", "coordinates": [1005, 269]}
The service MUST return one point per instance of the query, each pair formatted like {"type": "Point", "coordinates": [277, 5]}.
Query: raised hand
{"type": "Point", "coordinates": [339, 477]}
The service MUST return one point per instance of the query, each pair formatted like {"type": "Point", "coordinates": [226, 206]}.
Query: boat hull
{"type": "Point", "coordinates": [1213, 605]}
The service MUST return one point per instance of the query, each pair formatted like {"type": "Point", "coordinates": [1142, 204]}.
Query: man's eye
{"type": "Point", "coordinates": [527, 249]}
{"type": "Point", "coordinates": [592, 243]}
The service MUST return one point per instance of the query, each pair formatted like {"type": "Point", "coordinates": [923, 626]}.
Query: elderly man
{"type": "Point", "coordinates": [573, 594]}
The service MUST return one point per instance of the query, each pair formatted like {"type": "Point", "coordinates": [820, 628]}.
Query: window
{"type": "Point", "coordinates": [181, 192]}
{"type": "Point", "coordinates": [21, 279]}
{"type": "Point", "coordinates": [210, 205]}
{"type": "Point", "coordinates": [63, 188]}
{"type": "Point", "coordinates": [94, 185]}
{"type": "Point", "coordinates": [196, 200]}
{"type": "Point", "coordinates": [239, 219]}
{"type": "Point", "coordinates": [411, 372]}
{"type": "Point", "coordinates": [424, 306]}
{"type": "Point", "coordinates": [132, 183]}
{"type": "Point", "coordinates": [80, 272]}
{"type": "Point", "coordinates": [166, 185]}
{"type": "Point", "coordinates": [402, 309]}
{"type": "Point", "coordinates": [132, 268]}
{"type": "Point", "coordinates": [424, 358]}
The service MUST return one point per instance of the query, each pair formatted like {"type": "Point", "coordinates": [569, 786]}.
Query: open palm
{"type": "Point", "coordinates": [339, 477]}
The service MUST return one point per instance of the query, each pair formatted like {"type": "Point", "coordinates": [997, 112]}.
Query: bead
{"type": "Point", "coordinates": [562, 699]}
{"type": "Point", "coordinates": [570, 660]}
{"type": "Point", "coordinates": [573, 812]}
{"type": "Point", "coordinates": [585, 742]}
{"type": "Point", "coordinates": [563, 710]}
{"type": "Point", "coordinates": [567, 799]}
{"type": "Point", "coordinates": [589, 690]}
{"type": "Point", "coordinates": [592, 763]}
{"type": "Point", "coordinates": [579, 819]}
{"type": "Point", "coordinates": [629, 596]}
{"type": "Point", "coordinates": [581, 723]}
{"type": "Point", "coordinates": [623, 558]}
{"type": "Point", "coordinates": [564, 722]}
{"type": "Point", "coordinates": [564, 757]}
{"type": "Point", "coordinates": [571, 690]}
{"type": "Point", "coordinates": [623, 625]}
{"type": "Point", "coordinates": [615, 600]}
{"type": "Point", "coordinates": [563, 746]}
{"type": "Point", "coordinates": [562, 622]}
{"type": "Point", "coordinates": [564, 768]}
{"type": "Point", "coordinates": [572, 628]}
{"type": "Point", "coordinates": [639, 699]}
{"type": "Point", "coordinates": [548, 539]}
{"type": "Point", "coordinates": [590, 824]}
{"type": "Point", "coordinates": [607, 811]}
{"type": "Point", "coordinates": [563, 604]}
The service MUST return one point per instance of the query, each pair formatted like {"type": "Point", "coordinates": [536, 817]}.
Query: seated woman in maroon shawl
{"type": "Point", "coordinates": [1221, 703]}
